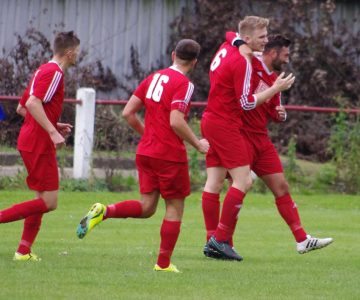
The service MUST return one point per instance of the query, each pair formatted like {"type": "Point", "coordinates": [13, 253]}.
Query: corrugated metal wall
{"type": "Point", "coordinates": [107, 28]}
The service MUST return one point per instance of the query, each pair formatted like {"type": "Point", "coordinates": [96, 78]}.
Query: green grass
{"type": "Point", "coordinates": [115, 261]}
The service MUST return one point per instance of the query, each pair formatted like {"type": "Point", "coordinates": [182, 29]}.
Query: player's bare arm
{"type": "Point", "coordinates": [130, 114]}
{"type": "Point", "coordinates": [21, 110]}
{"type": "Point", "coordinates": [182, 129]}
{"type": "Point", "coordinates": [35, 108]}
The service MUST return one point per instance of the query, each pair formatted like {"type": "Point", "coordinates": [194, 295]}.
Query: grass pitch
{"type": "Point", "coordinates": [115, 261]}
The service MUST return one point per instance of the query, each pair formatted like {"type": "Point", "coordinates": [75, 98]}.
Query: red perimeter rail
{"type": "Point", "coordinates": [201, 104]}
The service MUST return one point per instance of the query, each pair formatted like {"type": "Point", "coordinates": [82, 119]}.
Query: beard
{"type": "Point", "coordinates": [277, 65]}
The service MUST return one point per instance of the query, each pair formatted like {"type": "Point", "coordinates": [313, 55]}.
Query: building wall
{"type": "Point", "coordinates": [106, 28]}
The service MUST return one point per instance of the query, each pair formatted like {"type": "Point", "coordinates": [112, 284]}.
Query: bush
{"type": "Point", "coordinates": [83, 185]}
{"type": "Point", "coordinates": [17, 182]}
{"type": "Point", "coordinates": [32, 50]}
{"type": "Point", "coordinates": [344, 145]}
{"type": "Point", "coordinates": [323, 58]}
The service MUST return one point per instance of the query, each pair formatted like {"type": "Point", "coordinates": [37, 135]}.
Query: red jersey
{"type": "Point", "coordinates": [47, 84]}
{"type": "Point", "coordinates": [162, 92]}
{"type": "Point", "coordinates": [230, 92]}
{"type": "Point", "coordinates": [256, 120]}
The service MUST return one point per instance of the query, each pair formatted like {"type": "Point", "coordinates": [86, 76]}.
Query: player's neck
{"type": "Point", "coordinates": [61, 61]}
{"type": "Point", "coordinates": [181, 68]}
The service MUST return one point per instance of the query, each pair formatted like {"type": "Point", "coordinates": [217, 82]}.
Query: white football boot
{"type": "Point", "coordinates": [312, 243]}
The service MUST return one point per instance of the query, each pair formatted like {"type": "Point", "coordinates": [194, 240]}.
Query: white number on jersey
{"type": "Point", "coordinates": [217, 59]}
{"type": "Point", "coordinates": [156, 88]}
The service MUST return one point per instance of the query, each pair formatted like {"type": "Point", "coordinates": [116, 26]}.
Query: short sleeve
{"type": "Point", "coordinates": [24, 97]}
{"type": "Point", "coordinates": [45, 84]}
{"type": "Point", "coordinates": [182, 97]}
{"type": "Point", "coordinates": [141, 90]}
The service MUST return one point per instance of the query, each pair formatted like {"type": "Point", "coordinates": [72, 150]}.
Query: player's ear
{"type": "Point", "coordinates": [173, 56]}
{"type": "Point", "coordinates": [246, 38]}
{"type": "Point", "coordinates": [274, 53]}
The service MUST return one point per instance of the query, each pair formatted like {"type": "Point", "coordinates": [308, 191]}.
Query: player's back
{"type": "Point", "coordinates": [162, 92]}
{"type": "Point", "coordinates": [230, 76]}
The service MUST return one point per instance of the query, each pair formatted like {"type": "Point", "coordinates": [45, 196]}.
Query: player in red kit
{"type": "Point", "coordinates": [230, 94]}
{"type": "Point", "coordinates": [40, 135]}
{"type": "Point", "coordinates": [264, 159]}
{"type": "Point", "coordinates": [161, 157]}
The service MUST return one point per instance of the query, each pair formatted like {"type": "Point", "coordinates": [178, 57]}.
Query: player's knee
{"type": "Point", "coordinates": [243, 184]}
{"type": "Point", "coordinates": [248, 184]}
{"type": "Point", "coordinates": [148, 211]}
{"type": "Point", "coordinates": [51, 205]}
{"type": "Point", "coordinates": [213, 187]}
{"type": "Point", "coordinates": [282, 189]}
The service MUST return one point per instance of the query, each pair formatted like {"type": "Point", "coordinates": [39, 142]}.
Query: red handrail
{"type": "Point", "coordinates": [17, 99]}
{"type": "Point", "coordinates": [202, 104]}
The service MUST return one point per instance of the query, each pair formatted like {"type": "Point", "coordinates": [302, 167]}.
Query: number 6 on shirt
{"type": "Point", "coordinates": [217, 59]}
{"type": "Point", "coordinates": [156, 87]}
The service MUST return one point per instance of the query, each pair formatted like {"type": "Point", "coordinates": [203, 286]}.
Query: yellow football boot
{"type": "Point", "coordinates": [26, 257]}
{"type": "Point", "coordinates": [92, 218]}
{"type": "Point", "coordinates": [170, 268]}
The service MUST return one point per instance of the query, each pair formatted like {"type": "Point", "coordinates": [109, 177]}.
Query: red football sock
{"type": "Point", "coordinates": [231, 208]}
{"type": "Point", "coordinates": [231, 241]}
{"type": "Point", "coordinates": [31, 228]}
{"type": "Point", "coordinates": [124, 209]}
{"type": "Point", "coordinates": [22, 210]}
{"type": "Point", "coordinates": [211, 212]}
{"type": "Point", "coordinates": [288, 210]}
{"type": "Point", "coordinates": [169, 234]}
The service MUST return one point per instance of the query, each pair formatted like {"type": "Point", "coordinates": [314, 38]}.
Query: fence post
{"type": "Point", "coordinates": [84, 132]}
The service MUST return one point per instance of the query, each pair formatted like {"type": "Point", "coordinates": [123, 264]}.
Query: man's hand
{"type": "Point", "coordinates": [64, 129]}
{"type": "Point", "coordinates": [203, 146]}
{"type": "Point", "coordinates": [57, 139]}
{"type": "Point", "coordinates": [283, 83]}
{"type": "Point", "coordinates": [281, 113]}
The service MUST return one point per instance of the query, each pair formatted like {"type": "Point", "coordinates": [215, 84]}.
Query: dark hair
{"type": "Point", "coordinates": [276, 41]}
{"type": "Point", "coordinates": [64, 41]}
{"type": "Point", "coordinates": [187, 49]}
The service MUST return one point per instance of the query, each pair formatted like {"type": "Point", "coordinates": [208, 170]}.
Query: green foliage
{"type": "Point", "coordinates": [17, 182]}
{"type": "Point", "coordinates": [83, 185]}
{"type": "Point", "coordinates": [325, 179]}
{"type": "Point", "coordinates": [197, 175]}
{"type": "Point", "coordinates": [259, 186]}
{"type": "Point", "coordinates": [116, 182]}
{"type": "Point", "coordinates": [345, 147]}
{"type": "Point", "coordinates": [292, 171]}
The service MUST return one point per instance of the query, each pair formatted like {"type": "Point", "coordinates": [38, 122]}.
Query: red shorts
{"type": "Point", "coordinates": [263, 155]}
{"type": "Point", "coordinates": [228, 147]}
{"type": "Point", "coordinates": [42, 171]}
{"type": "Point", "coordinates": [170, 178]}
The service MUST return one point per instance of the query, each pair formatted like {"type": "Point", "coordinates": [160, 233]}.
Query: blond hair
{"type": "Point", "coordinates": [250, 23]}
